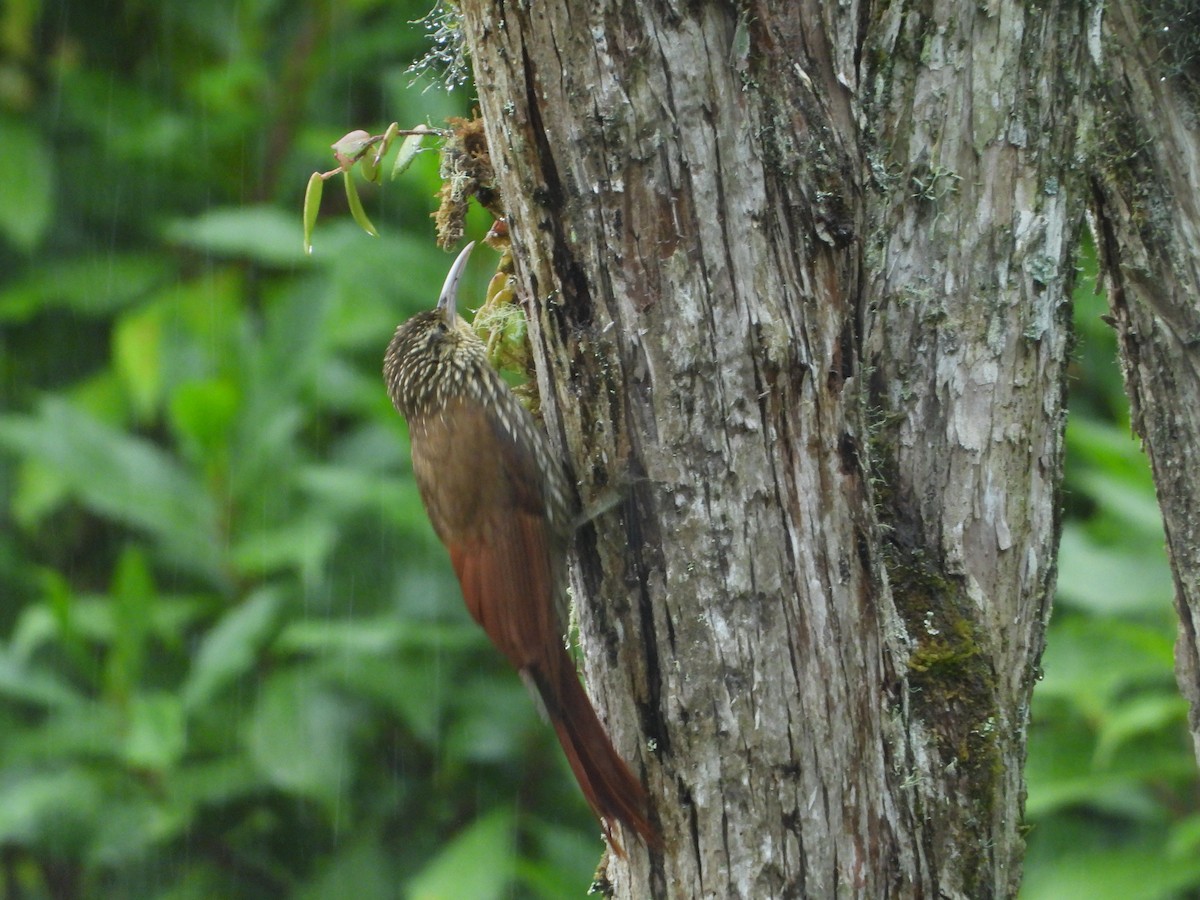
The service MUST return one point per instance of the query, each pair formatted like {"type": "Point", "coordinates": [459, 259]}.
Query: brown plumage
{"type": "Point", "coordinates": [501, 502]}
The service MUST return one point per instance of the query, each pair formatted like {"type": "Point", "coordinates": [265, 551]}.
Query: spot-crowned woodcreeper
{"type": "Point", "coordinates": [501, 501]}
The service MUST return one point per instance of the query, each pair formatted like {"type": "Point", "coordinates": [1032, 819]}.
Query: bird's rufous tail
{"type": "Point", "coordinates": [611, 789]}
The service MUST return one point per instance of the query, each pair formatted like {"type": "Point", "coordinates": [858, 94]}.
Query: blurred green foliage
{"type": "Point", "coordinates": [1114, 799]}
{"type": "Point", "coordinates": [233, 662]}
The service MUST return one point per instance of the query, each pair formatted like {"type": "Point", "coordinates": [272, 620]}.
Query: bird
{"type": "Point", "coordinates": [502, 502]}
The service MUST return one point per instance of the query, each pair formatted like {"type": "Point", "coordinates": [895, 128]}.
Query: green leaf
{"type": "Point", "coordinates": [312, 205]}
{"type": "Point", "coordinates": [1109, 448]}
{"type": "Point", "coordinates": [1112, 873]}
{"type": "Point", "coordinates": [231, 649]}
{"type": "Point", "coordinates": [265, 445]}
{"type": "Point", "coordinates": [1065, 772]}
{"type": "Point", "coordinates": [55, 810]}
{"type": "Point", "coordinates": [385, 143]}
{"type": "Point", "coordinates": [356, 207]}
{"type": "Point", "coordinates": [1137, 716]}
{"type": "Point", "coordinates": [1185, 838]}
{"type": "Point", "coordinates": [134, 828]}
{"type": "Point", "coordinates": [1129, 502]}
{"type": "Point", "coordinates": [88, 731]}
{"type": "Point", "coordinates": [299, 735]}
{"type": "Point", "coordinates": [377, 636]}
{"type": "Point", "coordinates": [133, 598]}
{"type": "Point", "coordinates": [411, 689]}
{"type": "Point", "coordinates": [137, 358]}
{"type": "Point", "coordinates": [26, 190]}
{"type": "Point", "coordinates": [495, 717]}
{"type": "Point", "coordinates": [1089, 661]}
{"type": "Point", "coordinates": [479, 863]}
{"type": "Point", "coordinates": [353, 489]}
{"type": "Point", "coordinates": [565, 857]}
{"type": "Point", "coordinates": [39, 490]}
{"type": "Point", "coordinates": [57, 623]}
{"type": "Point", "coordinates": [369, 168]}
{"type": "Point", "coordinates": [409, 148]}
{"type": "Point", "coordinates": [122, 477]}
{"type": "Point", "coordinates": [155, 738]}
{"type": "Point", "coordinates": [203, 415]}
{"type": "Point", "coordinates": [26, 683]}
{"type": "Point", "coordinates": [94, 285]}
{"type": "Point", "coordinates": [303, 546]}
{"type": "Point", "coordinates": [213, 782]}
{"type": "Point", "coordinates": [364, 864]}
{"type": "Point", "coordinates": [1060, 774]}
{"type": "Point", "coordinates": [263, 234]}
{"type": "Point", "coordinates": [1106, 581]}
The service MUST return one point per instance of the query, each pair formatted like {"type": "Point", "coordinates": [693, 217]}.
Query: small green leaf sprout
{"type": "Point", "coordinates": [353, 148]}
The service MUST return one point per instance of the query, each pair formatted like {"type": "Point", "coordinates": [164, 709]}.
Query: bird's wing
{"type": "Point", "coordinates": [483, 498]}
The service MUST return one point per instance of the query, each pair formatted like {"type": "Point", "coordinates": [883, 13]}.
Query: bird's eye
{"type": "Point", "coordinates": [436, 335]}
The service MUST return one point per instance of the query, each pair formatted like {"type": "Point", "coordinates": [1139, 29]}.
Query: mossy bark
{"type": "Point", "coordinates": [797, 280]}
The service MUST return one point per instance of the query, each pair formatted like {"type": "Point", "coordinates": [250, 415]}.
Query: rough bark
{"type": "Point", "coordinates": [797, 279]}
{"type": "Point", "coordinates": [1146, 219]}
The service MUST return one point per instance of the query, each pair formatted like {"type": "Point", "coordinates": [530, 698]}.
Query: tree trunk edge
{"type": "Point", "coordinates": [1145, 221]}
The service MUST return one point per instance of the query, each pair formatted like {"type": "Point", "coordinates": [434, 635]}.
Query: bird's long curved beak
{"type": "Point", "coordinates": [448, 301]}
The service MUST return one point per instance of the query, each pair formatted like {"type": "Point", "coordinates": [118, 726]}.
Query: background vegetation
{"type": "Point", "coordinates": [232, 658]}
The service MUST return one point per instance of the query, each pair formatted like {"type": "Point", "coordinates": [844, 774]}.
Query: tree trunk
{"type": "Point", "coordinates": [797, 278]}
{"type": "Point", "coordinates": [1147, 225]}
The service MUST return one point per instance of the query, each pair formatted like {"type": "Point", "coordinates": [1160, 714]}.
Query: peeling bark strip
{"type": "Point", "coordinates": [1147, 224]}
{"type": "Point", "coordinates": [798, 272]}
